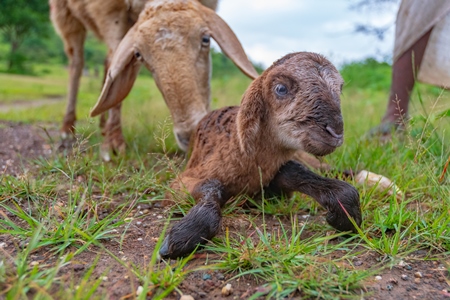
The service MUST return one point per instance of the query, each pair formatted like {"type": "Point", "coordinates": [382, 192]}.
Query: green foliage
{"type": "Point", "coordinates": [368, 74]}
{"type": "Point", "coordinates": [18, 20]}
{"type": "Point", "coordinates": [223, 67]}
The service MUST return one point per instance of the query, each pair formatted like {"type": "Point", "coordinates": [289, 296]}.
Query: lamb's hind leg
{"type": "Point", "coordinates": [337, 196]}
{"type": "Point", "coordinates": [200, 224]}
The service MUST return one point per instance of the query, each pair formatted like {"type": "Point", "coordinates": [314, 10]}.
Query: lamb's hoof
{"type": "Point", "coordinates": [346, 204]}
{"type": "Point", "coordinates": [200, 225]}
{"type": "Point", "coordinates": [164, 251]}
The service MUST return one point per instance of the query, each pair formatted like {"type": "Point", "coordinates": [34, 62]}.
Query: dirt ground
{"type": "Point", "coordinates": [20, 144]}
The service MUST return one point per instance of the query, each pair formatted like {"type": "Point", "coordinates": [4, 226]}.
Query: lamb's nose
{"type": "Point", "coordinates": [333, 133]}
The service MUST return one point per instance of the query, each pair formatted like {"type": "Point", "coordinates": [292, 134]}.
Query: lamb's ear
{"type": "Point", "coordinates": [251, 113]}
{"type": "Point", "coordinates": [228, 42]}
{"type": "Point", "coordinates": [121, 75]}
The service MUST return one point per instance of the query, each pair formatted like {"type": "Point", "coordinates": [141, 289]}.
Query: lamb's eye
{"type": "Point", "coordinates": [206, 40]}
{"type": "Point", "coordinates": [281, 90]}
{"type": "Point", "coordinates": [138, 55]}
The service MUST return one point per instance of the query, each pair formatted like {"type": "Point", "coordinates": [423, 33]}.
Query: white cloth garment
{"type": "Point", "coordinates": [414, 19]}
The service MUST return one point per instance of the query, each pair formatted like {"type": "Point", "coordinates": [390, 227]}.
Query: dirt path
{"type": "Point", "coordinates": [25, 104]}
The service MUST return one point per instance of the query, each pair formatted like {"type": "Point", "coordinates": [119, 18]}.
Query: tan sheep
{"type": "Point", "coordinates": [294, 105]}
{"type": "Point", "coordinates": [170, 37]}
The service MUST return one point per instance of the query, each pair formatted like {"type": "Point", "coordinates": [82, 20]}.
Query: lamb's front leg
{"type": "Point", "coordinates": [332, 194]}
{"type": "Point", "coordinates": [201, 223]}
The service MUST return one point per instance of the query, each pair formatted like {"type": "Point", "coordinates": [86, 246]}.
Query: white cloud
{"type": "Point", "coordinates": [270, 29]}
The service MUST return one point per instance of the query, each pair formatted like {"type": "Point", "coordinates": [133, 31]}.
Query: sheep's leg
{"type": "Point", "coordinates": [201, 223]}
{"type": "Point", "coordinates": [337, 196]}
{"type": "Point", "coordinates": [104, 116]}
{"type": "Point", "coordinates": [114, 140]}
{"type": "Point", "coordinates": [73, 34]}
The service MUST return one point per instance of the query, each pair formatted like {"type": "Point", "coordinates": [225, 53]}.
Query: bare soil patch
{"type": "Point", "coordinates": [20, 144]}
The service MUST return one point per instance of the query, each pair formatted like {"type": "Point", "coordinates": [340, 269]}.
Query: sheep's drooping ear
{"type": "Point", "coordinates": [251, 113]}
{"type": "Point", "coordinates": [228, 42]}
{"type": "Point", "coordinates": [121, 75]}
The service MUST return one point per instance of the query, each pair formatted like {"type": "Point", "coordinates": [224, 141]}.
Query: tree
{"type": "Point", "coordinates": [18, 20]}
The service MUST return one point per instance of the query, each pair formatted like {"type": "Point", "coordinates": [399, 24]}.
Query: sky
{"type": "Point", "coordinates": [269, 29]}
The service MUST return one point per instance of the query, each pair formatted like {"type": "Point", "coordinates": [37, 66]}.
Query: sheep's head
{"type": "Point", "coordinates": [172, 39]}
{"type": "Point", "coordinates": [297, 100]}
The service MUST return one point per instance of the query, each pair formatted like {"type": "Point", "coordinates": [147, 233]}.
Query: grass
{"type": "Point", "coordinates": [58, 209]}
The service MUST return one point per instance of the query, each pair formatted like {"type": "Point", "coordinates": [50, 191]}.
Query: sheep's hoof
{"type": "Point", "coordinates": [67, 140]}
{"type": "Point", "coordinates": [116, 146]}
{"type": "Point", "coordinates": [200, 225]}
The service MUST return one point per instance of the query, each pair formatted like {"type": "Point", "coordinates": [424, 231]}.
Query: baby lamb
{"type": "Point", "coordinates": [294, 105]}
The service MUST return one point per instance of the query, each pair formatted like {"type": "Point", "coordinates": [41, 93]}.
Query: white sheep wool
{"type": "Point", "coordinates": [414, 19]}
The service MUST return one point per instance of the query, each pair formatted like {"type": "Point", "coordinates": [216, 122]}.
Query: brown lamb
{"type": "Point", "coordinates": [294, 105]}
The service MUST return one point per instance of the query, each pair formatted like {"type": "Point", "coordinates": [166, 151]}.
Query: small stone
{"type": "Point", "coordinates": [104, 278]}
{"type": "Point", "coordinates": [393, 280]}
{"type": "Point", "coordinates": [34, 263]}
{"type": "Point", "coordinates": [389, 287]}
{"type": "Point", "coordinates": [187, 297]}
{"type": "Point", "coordinates": [2, 245]}
{"type": "Point", "coordinates": [417, 280]}
{"type": "Point", "coordinates": [408, 267]}
{"type": "Point", "coordinates": [441, 279]}
{"type": "Point", "coordinates": [139, 239]}
{"type": "Point", "coordinates": [227, 290]}
{"type": "Point", "coordinates": [23, 244]}
{"type": "Point", "coordinates": [358, 263]}
{"type": "Point", "coordinates": [206, 276]}
{"type": "Point", "coordinates": [220, 276]}
{"type": "Point", "coordinates": [77, 267]}
{"type": "Point", "coordinates": [418, 275]}
{"type": "Point", "coordinates": [139, 290]}
{"type": "Point", "coordinates": [378, 277]}
{"type": "Point", "coordinates": [145, 211]}
{"type": "Point", "coordinates": [404, 277]}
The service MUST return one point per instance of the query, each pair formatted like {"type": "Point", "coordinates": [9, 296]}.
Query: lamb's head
{"type": "Point", "coordinates": [297, 101]}
{"type": "Point", "coordinates": [172, 39]}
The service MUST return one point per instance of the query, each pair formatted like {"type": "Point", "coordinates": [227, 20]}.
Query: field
{"type": "Point", "coordinates": [74, 227]}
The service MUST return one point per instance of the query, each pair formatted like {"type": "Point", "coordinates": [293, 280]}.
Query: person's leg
{"type": "Point", "coordinates": [404, 72]}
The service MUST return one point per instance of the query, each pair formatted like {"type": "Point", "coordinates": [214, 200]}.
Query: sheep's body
{"type": "Point", "coordinates": [170, 37]}
{"type": "Point", "coordinates": [242, 149]}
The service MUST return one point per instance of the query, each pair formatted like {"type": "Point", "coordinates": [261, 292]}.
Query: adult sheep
{"type": "Point", "coordinates": [294, 105]}
{"type": "Point", "coordinates": [170, 37]}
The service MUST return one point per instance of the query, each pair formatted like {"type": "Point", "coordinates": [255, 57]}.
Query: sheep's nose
{"type": "Point", "coordinates": [333, 132]}
{"type": "Point", "coordinates": [183, 139]}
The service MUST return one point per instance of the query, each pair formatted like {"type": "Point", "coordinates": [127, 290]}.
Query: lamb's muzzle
{"type": "Point", "coordinates": [294, 105]}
